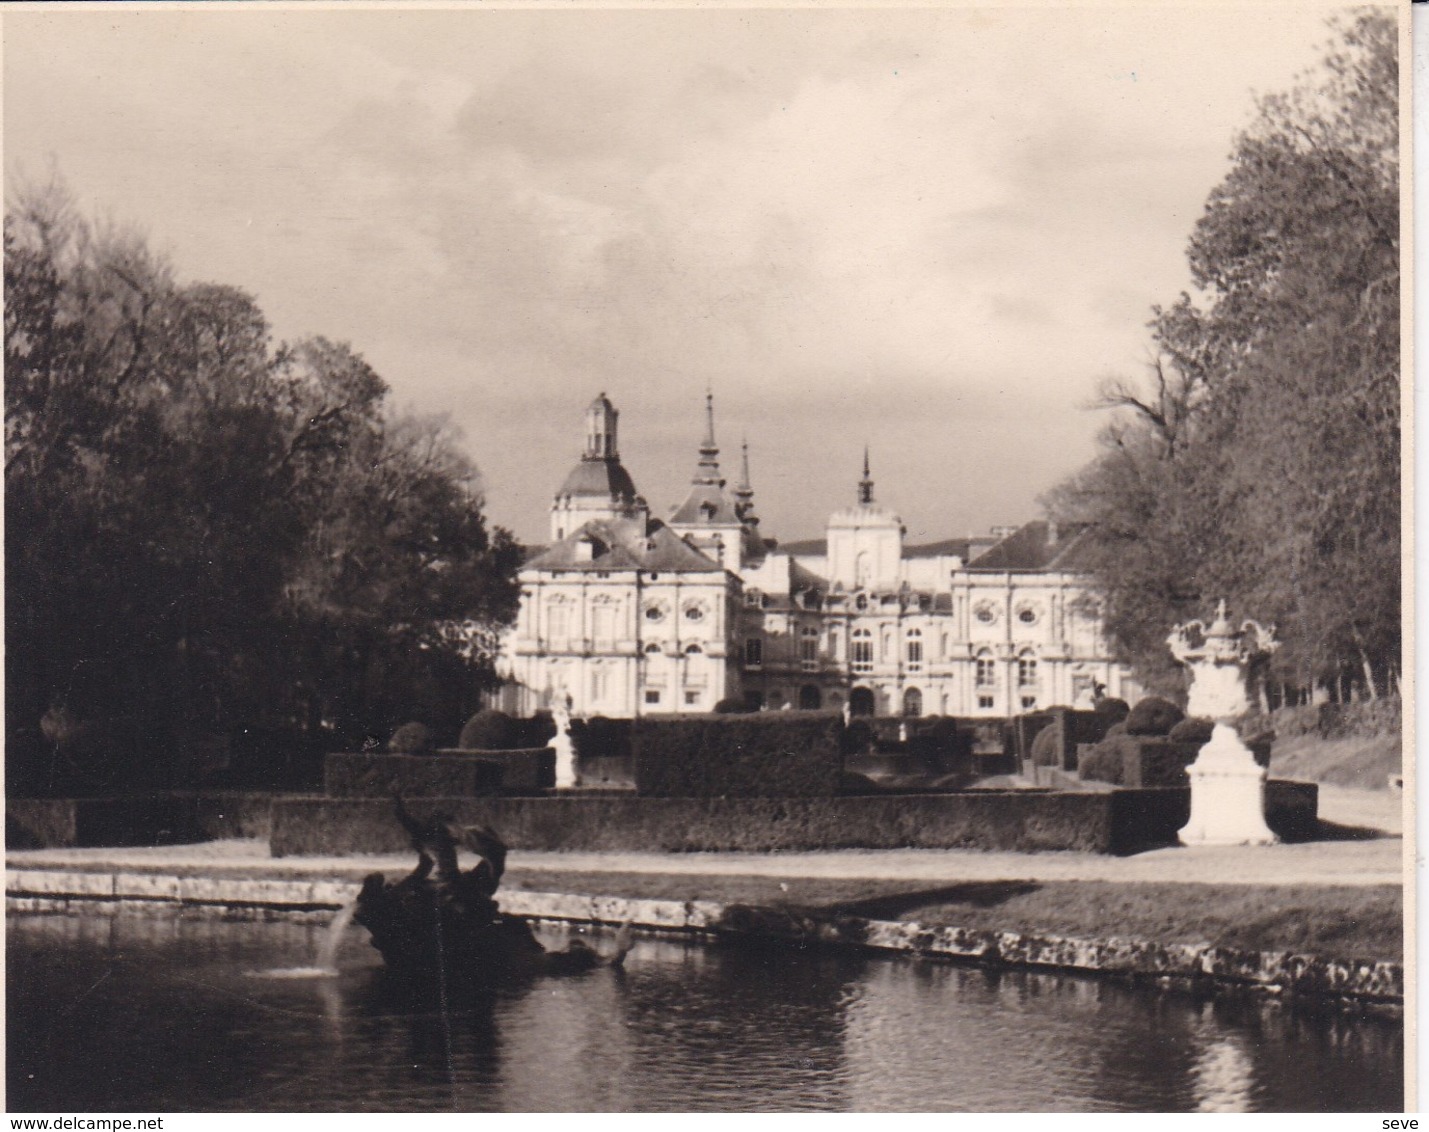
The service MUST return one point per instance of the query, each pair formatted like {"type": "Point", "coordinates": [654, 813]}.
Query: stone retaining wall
{"type": "Point", "coordinates": [36, 890]}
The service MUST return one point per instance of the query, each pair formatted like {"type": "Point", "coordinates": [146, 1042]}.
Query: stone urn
{"type": "Point", "coordinates": [1227, 784]}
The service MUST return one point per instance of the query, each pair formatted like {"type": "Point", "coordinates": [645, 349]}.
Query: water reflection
{"type": "Point", "coordinates": [164, 1014]}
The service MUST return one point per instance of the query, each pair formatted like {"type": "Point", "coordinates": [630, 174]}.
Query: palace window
{"type": "Point", "coordinates": [753, 652]}
{"type": "Point", "coordinates": [915, 651]}
{"type": "Point", "coordinates": [693, 650]}
{"type": "Point", "coordinates": [1029, 702]}
{"type": "Point", "coordinates": [984, 702]}
{"type": "Point", "coordinates": [861, 643]}
{"type": "Point", "coordinates": [912, 702]}
{"type": "Point", "coordinates": [652, 648]}
{"type": "Point", "coordinates": [985, 672]}
{"type": "Point", "coordinates": [654, 613]}
{"type": "Point", "coordinates": [599, 684]}
{"type": "Point", "coordinates": [691, 699]}
{"type": "Point", "coordinates": [603, 621]}
{"type": "Point", "coordinates": [694, 613]}
{"type": "Point", "coordinates": [1027, 671]}
{"type": "Point", "coordinates": [809, 648]}
{"type": "Point", "coordinates": [558, 620]}
{"type": "Point", "coordinates": [754, 599]}
{"type": "Point", "coordinates": [652, 697]}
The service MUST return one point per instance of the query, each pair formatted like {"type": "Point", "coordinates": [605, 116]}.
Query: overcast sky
{"type": "Point", "coordinates": [931, 231]}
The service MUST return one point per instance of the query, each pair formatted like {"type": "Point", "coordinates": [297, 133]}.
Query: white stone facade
{"type": "Point", "coordinates": [623, 616]}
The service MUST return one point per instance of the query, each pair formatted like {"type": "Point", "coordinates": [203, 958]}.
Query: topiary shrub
{"type": "Point", "coordinates": [1115, 729]}
{"type": "Point", "coordinates": [1153, 716]}
{"type": "Point", "coordinates": [411, 739]}
{"type": "Point", "coordinates": [489, 730]}
{"type": "Point", "coordinates": [1192, 729]}
{"type": "Point", "coordinates": [1117, 709]}
{"type": "Point", "coordinates": [1103, 763]}
{"type": "Point", "coordinates": [731, 706]}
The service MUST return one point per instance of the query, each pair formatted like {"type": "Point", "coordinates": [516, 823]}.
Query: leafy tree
{"type": "Point", "coordinates": [1263, 465]}
{"type": "Point", "coordinates": [209, 534]}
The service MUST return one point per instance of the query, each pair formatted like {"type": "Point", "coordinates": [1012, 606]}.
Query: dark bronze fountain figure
{"type": "Point", "coordinates": [442, 922]}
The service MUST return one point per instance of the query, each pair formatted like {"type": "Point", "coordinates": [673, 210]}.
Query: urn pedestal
{"type": "Point", "coordinates": [1227, 794]}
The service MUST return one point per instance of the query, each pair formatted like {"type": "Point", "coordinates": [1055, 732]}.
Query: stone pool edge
{"type": "Point", "coordinates": [1275, 972]}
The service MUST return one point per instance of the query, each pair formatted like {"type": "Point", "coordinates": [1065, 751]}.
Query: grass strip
{"type": "Point", "coordinates": [1338, 922]}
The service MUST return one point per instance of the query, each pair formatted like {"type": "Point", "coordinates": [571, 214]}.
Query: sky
{"type": "Point", "coordinates": [932, 231]}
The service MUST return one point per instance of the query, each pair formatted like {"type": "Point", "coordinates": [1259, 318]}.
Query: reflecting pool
{"type": "Point", "coordinates": [164, 1014]}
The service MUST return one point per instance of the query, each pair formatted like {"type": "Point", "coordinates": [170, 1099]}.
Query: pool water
{"type": "Point", "coordinates": [132, 1013]}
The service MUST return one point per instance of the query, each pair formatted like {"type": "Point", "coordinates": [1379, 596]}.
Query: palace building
{"type": "Point", "coordinates": [624, 614]}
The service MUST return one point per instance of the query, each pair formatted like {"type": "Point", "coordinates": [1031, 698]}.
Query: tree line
{"type": "Point", "coordinates": [1260, 460]}
{"type": "Point", "coordinates": [210, 535]}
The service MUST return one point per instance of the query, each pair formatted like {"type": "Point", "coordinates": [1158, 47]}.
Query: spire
{"type": "Point", "coordinates": [707, 472]}
{"type": "Point", "coordinates": [744, 490]}
{"type": "Point", "coordinates": [865, 485]}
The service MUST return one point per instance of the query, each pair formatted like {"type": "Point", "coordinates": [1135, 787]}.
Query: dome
{"type": "Point", "coordinates": [601, 479]}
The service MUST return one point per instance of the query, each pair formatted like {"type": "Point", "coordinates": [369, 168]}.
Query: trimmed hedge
{"type": "Point", "coordinates": [177, 818]}
{"type": "Point", "coordinates": [601, 738]}
{"type": "Point", "coordinates": [1113, 821]}
{"type": "Point", "coordinates": [365, 775]}
{"type": "Point", "coordinates": [784, 754]}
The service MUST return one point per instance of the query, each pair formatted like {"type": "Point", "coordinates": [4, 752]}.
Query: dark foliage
{"type": "Point", "coordinates": [488, 730]}
{"type": "Point", "coordinates": [222, 536]}
{"type": "Point", "coordinates": [601, 738]}
{"type": "Point", "coordinates": [411, 739]}
{"type": "Point", "coordinates": [1153, 716]}
{"type": "Point", "coordinates": [1192, 729]}
{"type": "Point", "coordinates": [1260, 463]}
{"type": "Point", "coordinates": [769, 754]}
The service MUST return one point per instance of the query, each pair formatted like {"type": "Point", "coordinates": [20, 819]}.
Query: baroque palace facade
{"type": "Point", "coordinates": [623, 615]}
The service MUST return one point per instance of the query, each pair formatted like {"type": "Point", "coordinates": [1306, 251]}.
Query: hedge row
{"type": "Point", "coordinates": [783, 754]}
{"type": "Point", "coordinates": [1116, 821]}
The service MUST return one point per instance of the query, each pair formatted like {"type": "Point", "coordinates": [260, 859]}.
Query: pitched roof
{"type": "Point", "coordinates": [1037, 545]}
{"type": "Point", "coordinates": [807, 548]}
{"type": "Point", "coordinates": [623, 545]}
{"type": "Point", "coordinates": [949, 547]}
{"type": "Point", "coordinates": [706, 506]}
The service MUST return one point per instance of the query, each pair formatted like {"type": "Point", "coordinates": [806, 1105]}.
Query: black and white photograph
{"type": "Point", "coordinates": [685, 557]}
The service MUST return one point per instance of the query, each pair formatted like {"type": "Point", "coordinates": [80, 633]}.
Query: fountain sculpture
{"type": "Point", "coordinates": [441, 923]}
{"type": "Point", "coordinates": [1227, 785]}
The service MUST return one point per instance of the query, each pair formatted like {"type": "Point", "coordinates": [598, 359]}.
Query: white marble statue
{"type": "Point", "coordinates": [1227, 785]}
{"type": "Point", "coordinates": [563, 745]}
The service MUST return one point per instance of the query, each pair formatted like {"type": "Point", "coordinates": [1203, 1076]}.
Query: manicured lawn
{"type": "Point", "coordinates": [1342, 922]}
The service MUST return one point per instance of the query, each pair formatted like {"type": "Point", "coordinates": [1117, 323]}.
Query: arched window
{"type": "Point", "coordinates": [862, 569]}
{"type": "Point", "coordinates": [809, 698]}
{"type": "Point", "coordinates": [1026, 670]}
{"type": "Point", "coordinates": [986, 675]}
{"type": "Point", "coordinates": [861, 701]}
{"type": "Point", "coordinates": [861, 644]}
{"type": "Point", "coordinates": [912, 702]}
{"type": "Point", "coordinates": [693, 650]}
{"type": "Point", "coordinates": [915, 650]}
{"type": "Point", "coordinates": [652, 649]}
